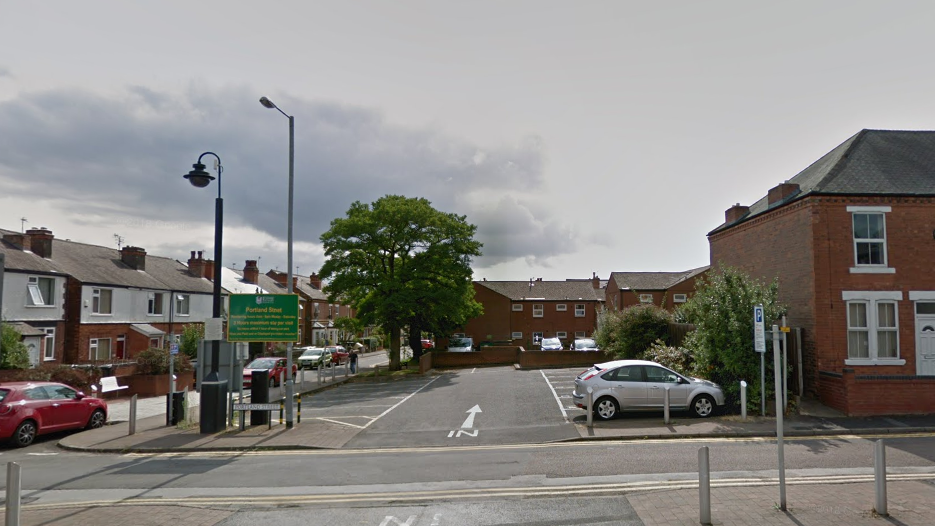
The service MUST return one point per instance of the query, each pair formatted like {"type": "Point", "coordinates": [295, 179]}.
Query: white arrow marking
{"type": "Point", "coordinates": [469, 421]}
{"type": "Point", "coordinates": [468, 433]}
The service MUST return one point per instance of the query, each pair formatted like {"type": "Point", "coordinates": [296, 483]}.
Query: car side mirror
{"type": "Point", "coordinates": [93, 388]}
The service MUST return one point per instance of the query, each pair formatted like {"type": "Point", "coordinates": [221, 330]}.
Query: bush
{"type": "Point", "coordinates": [627, 334]}
{"type": "Point", "coordinates": [13, 353]}
{"type": "Point", "coordinates": [191, 335]}
{"type": "Point", "coordinates": [66, 374]}
{"type": "Point", "coordinates": [678, 359]}
{"type": "Point", "coordinates": [156, 361]}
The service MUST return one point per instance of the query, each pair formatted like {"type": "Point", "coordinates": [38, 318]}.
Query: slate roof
{"type": "Point", "coordinates": [872, 162]}
{"type": "Point", "coordinates": [96, 265]}
{"type": "Point", "coordinates": [652, 280]}
{"type": "Point", "coordinates": [545, 290]}
{"type": "Point", "coordinates": [303, 285]}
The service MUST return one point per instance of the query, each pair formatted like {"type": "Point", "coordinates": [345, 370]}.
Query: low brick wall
{"type": "Point", "coordinates": [485, 356]}
{"type": "Point", "coordinates": [534, 359]}
{"type": "Point", "coordinates": [509, 356]}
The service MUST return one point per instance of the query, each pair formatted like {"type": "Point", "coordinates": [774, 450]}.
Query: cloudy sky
{"type": "Point", "coordinates": [580, 137]}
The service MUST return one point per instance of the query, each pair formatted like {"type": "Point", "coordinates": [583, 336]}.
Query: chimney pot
{"type": "Point", "coordinates": [133, 257]}
{"type": "Point", "coordinates": [735, 213]}
{"type": "Point", "coordinates": [251, 273]}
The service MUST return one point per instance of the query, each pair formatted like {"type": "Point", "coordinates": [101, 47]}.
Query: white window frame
{"type": "Point", "coordinates": [872, 300]}
{"type": "Point", "coordinates": [579, 310]}
{"type": "Point", "coordinates": [97, 301]}
{"type": "Point", "coordinates": [48, 344]}
{"type": "Point", "coordinates": [679, 298]}
{"type": "Point", "coordinates": [94, 348]}
{"type": "Point", "coordinates": [517, 307]}
{"type": "Point", "coordinates": [516, 336]}
{"type": "Point", "coordinates": [561, 307]}
{"type": "Point", "coordinates": [561, 335]}
{"type": "Point", "coordinates": [646, 298]}
{"type": "Point", "coordinates": [537, 338]}
{"type": "Point", "coordinates": [538, 310]}
{"type": "Point", "coordinates": [580, 334]}
{"type": "Point", "coordinates": [183, 300]}
{"type": "Point", "coordinates": [870, 268]}
{"type": "Point", "coordinates": [36, 298]}
{"type": "Point", "coordinates": [155, 303]}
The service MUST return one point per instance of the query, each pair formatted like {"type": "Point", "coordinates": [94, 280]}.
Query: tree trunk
{"type": "Point", "coordinates": [415, 339]}
{"type": "Point", "coordinates": [394, 348]}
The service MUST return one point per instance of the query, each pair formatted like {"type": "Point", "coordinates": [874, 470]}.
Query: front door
{"type": "Point", "coordinates": [925, 338]}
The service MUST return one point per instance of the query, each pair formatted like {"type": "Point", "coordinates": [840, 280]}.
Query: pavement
{"type": "Point", "coordinates": [911, 502]}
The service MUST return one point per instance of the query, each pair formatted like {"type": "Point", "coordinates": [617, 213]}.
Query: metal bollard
{"type": "Point", "coordinates": [333, 368]}
{"type": "Point", "coordinates": [743, 400]}
{"type": "Point", "coordinates": [320, 367]}
{"type": "Point", "coordinates": [590, 406]}
{"type": "Point", "coordinates": [879, 476]}
{"type": "Point", "coordinates": [704, 486]}
{"type": "Point", "coordinates": [347, 366]}
{"type": "Point", "coordinates": [303, 376]}
{"type": "Point", "coordinates": [298, 414]}
{"type": "Point", "coordinates": [14, 488]}
{"type": "Point", "coordinates": [132, 414]}
{"type": "Point", "coordinates": [282, 409]}
{"type": "Point", "coordinates": [667, 406]}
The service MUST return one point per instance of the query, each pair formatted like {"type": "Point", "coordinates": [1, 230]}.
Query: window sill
{"type": "Point", "coordinates": [102, 314]}
{"type": "Point", "coordinates": [873, 270]}
{"type": "Point", "coordinates": [40, 306]}
{"type": "Point", "coordinates": [48, 359]}
{"type": "Point", "coordinates": [870, 361]}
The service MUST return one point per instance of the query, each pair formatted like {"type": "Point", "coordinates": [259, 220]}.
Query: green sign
{"type": "Point", "coordinates": [263, 318]}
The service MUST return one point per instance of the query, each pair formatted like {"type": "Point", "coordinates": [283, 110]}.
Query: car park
{"type": "Point", "coordinates": [460, 345]}
{"type": "Point", "coordinates": [339, 354]}
{"type": "Point", "coordinates": [274, 364]}
{"type": "Point", "coordinates": [639, 385]}
{"type": "Point", "coordinates": [30, 409]}
{"type": "Point", "coordinates": [551, 344]}
{"type": "Point", "coordinates": [313, 358]}
{"type": "Point", "coordinates": [584, 344]}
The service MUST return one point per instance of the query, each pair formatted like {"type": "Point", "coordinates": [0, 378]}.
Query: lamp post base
{"type": "Point", "coordinates": [213, 407]}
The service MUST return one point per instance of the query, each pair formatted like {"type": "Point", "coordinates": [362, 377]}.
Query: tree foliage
{"type": "Point", "coordinates": [348, 328]}
{"type": "Point", "coordinates": [398, 260]}
{"type": "Point", "coordinates": [630, 332]}
{"type": "Point", "coordinates": [722, 312]}
{"type": "Point", "coordinates": [191, 335]}
{"type": "Point", "coordinates": [13, 352]}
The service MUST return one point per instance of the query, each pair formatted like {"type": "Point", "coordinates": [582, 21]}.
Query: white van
{"type": "Point", "coordinates": [460, 345]}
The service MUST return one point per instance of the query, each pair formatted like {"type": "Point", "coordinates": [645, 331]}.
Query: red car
{"type": "Point", "coordinates": [339, 354]}
{"type": "Point", "coordinates": [30, 409]}
{"type": "Point", "coordinates": [427, 344]}
{"type": "Point", "coordinates": [275, 365]}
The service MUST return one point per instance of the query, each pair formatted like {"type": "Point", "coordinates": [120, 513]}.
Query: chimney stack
{"type": "Point", "coordinates": [595, 281]}
{"type": "Point", "coordinates": [20, 241]}
{"type": "Point", "coordinates": [251, 273]}
{"type": "Point", "coordinates": [734, 213]}
{"type": "Point", "coordinates": [209, 269]}
{"type": "Point", "coordinates": [40, 241]}
{"type": "Point", "coordinates": [133, 257]}
{"type": "Point", "coordinates": [781, 192]}
{"type": "Point", "coordinates": [196, 265]}
{"type": "Point", "coordinates": [315, 281]}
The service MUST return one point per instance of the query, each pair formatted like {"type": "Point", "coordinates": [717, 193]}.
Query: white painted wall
{"type": "Point", "coordinates": [132, 306]}
{"type": "Point", "coordinates": [16, 299]}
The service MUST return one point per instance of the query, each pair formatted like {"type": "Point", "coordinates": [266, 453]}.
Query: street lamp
{"type": "Point", "coordinates": [290, 385]}
{"type": "Point", "coordinates": [213, 412]}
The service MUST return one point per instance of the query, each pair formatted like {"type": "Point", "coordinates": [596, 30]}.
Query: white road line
{"type": "Point", "coordinates": [472, 370]}
{"type": "Point", "coordinates": [401, 401]}
{"type": "Point", "coordinates": [342, 423]}
{"type": "Point", "coordinates": [559, 402]}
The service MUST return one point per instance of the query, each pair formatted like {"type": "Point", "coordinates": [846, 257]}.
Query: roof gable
{"type": "Point", "coordinates": [544, 290]}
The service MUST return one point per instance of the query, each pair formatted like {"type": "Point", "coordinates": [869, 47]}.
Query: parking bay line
{"type": "Point", "coordinates": [559, 402]}
{"type": "Point", "coordinates": [401, 401]}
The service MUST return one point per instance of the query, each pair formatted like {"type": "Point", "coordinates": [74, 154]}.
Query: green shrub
{"type": "Point", "coordinates": [156, 361]}
{"type": "Point", "coordinates": [13, 352]}
{"type": "Point", "coordinates": [678, 359]}
{"type": "Point", "coordinates": [191, 335]}
{"type": "Point", "coordinates": [627, 334]}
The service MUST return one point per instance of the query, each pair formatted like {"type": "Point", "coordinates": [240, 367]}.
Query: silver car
{"type": "Point", "coordinates": [639, 385]}
{"type": "Point", "coordinates": [313, 358]}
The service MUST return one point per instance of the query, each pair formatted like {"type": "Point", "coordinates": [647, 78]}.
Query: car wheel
{"type": "Point", "coordinates": [97, 419]}
{"type": "Point", "coordinates": [606, 408]}
{"type": "Point", "coordinates": [702, 406]}
{"type": "Point", "coordinates": [25, 433]}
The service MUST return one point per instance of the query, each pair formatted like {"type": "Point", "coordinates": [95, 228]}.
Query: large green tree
{"type": "Point", "coordinates": [398, 260]}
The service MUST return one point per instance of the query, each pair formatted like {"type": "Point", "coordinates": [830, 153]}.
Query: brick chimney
{"type": "Point", "coordinates": [315, 281]}
{"type": "Point", "coordinates": [732, 214]}
{"type": "Point", "coordinates": [196, 265]}
{"type": "Point", "coordinates": [277, 276]}
{"type": "Point", "coordinates": [40, 241]}
{"type": "Point", "coordinates": [251, 273]}
{"type": "Point", "coordinates": [209, 269]}
{"type": "Point", "coordinates": [133, 257]}
{"type": "Point", "coordinates": [781, 192]}
{"type": "Point", "coordinates": [595, 281]}
{"type": "Point", "coordinates": [20, 241]}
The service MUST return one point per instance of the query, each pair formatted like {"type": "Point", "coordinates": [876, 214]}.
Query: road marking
{"type": "Point", "coordinates": [559, 402]}
{"type": "Point", "coordinates": [340, 422]}
{"type": "Point", "coordinates": [472, 370]}
{"type": "Point", "coordinates": [42, 454]}
{"type": "Point", "coordinates": [389, 518]}
{"type": "Point", "coordinates": [469, 421]}
{"type": "Point", "coordinates": [436, 519]}
{"type": "Point", "coordinates": [401, 401]}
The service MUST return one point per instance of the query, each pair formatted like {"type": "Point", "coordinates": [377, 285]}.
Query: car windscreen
{"type": "Point", "coordinates": [585, 344]}
{"type": "Point", "coordinates": [261, 363]}
{"type": "Point", "coordinates": [461, 342]}
{"type": "Point", "coordinates": [312, 352]}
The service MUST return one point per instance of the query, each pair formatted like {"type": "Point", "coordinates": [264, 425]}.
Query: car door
{"type": "Point", "coordinates": [68, 411]}
{"type": "Point", "coordinates": [626, 384]}
{"type": "Point", "coordinates": [657, 380]}
{"type": "Point", "coordinates": [37, 400]}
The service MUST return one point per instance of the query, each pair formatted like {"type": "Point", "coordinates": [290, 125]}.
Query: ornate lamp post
{"type": "Point", "coordinates": [290, 385]}
{"type": "Point", "coordinates": [213, 410]}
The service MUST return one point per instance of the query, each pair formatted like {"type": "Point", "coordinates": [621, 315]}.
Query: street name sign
{"type": "Point", "coordinates": [263, 318]}
{"type": "Point", "coordinates": [257, 407]}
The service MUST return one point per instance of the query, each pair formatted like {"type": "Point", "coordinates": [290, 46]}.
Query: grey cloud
{"type": "Point", "coordinates": [122, 158]}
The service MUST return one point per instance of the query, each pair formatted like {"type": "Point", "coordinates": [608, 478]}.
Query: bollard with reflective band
{"type": "Point", "coordinates": [743, 400]}
{"type": "Point", "coordinates": [590, 406]}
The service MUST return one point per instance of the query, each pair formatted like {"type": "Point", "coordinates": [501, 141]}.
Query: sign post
{"type": "Point", "coordinates": [759, 345]}
{"type": "Point", "coordinates": [263, 318]}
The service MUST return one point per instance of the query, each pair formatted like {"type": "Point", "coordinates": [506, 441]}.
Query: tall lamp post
{"type": "Point", "coordinates": [290, 385]}
{"type": "Point", "coordinates": [213, 412]}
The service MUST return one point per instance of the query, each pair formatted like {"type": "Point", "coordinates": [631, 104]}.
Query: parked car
{"type": "Point", "coordinates": [639, 385]}
{"type": "Point", "coordinates": [427, 344]}
{"type": "Point", "coordinates": [551, 344]}
{"type": "Point", "coordinates": [460, 345]}
{"type": "Point", "coordinates": [339, 354]}
{"type": "Point", "coordinates": [584, 344]}
{"type": "Point", "coordinates": [30, 409]}
{"type": "Point", "coordinates": [313, 358]}
{"type": "Point", "coordinates": [274, 364]}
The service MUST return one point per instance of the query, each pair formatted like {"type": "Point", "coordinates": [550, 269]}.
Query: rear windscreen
{"type": "Point", "coordinates": [3, 394]}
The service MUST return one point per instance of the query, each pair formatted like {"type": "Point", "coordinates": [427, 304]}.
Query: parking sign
{"type": "Point", "coordinates": [759, 329]}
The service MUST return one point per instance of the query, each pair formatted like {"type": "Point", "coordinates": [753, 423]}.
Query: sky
{"type": "Point", "coordinates": [580, 138]}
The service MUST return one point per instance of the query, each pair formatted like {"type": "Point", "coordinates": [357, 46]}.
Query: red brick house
{"type": "Point", "coordinates": [522, 311]}
{"type": "Point", "coordinates": [665, 289]}
{"type": "Point", "coordinates": [850, 239]}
